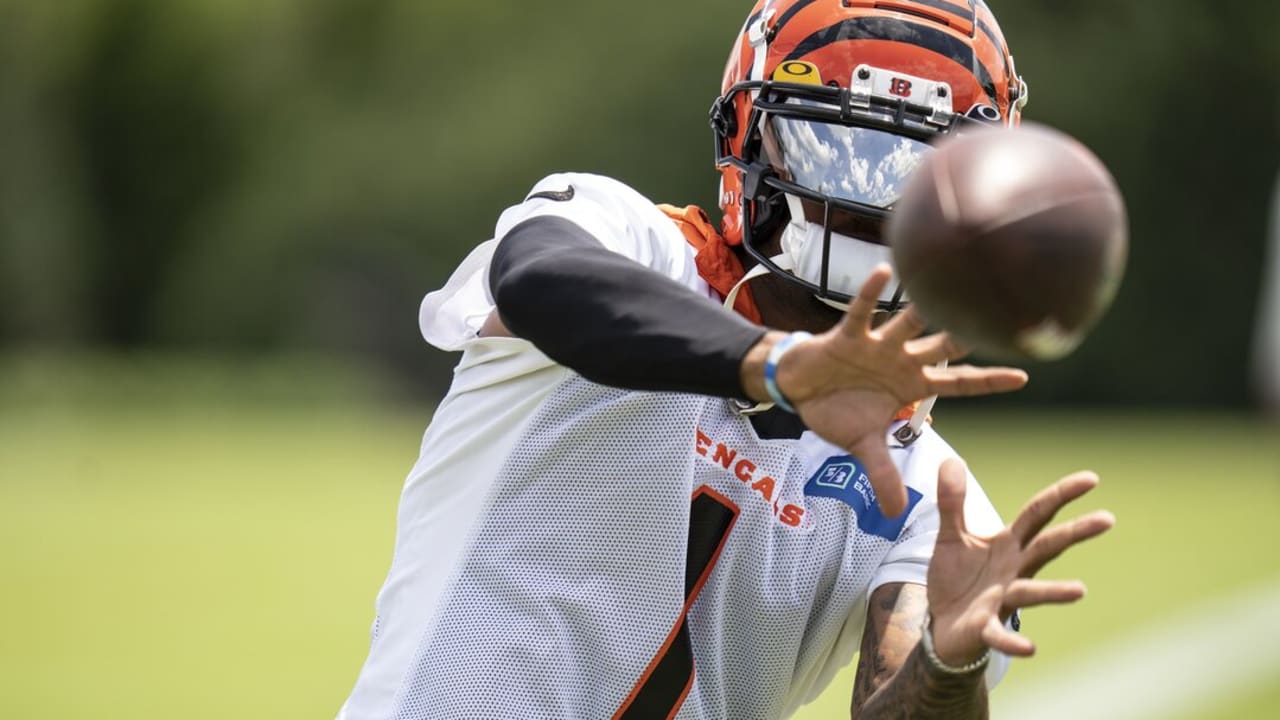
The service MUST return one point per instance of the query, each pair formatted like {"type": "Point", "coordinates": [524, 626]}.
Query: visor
{"type": "Point", "coordinates": [860, 164]}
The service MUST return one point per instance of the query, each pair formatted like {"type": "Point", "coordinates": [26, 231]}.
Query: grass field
{"type": "Point", "coordinates": [172, 552]}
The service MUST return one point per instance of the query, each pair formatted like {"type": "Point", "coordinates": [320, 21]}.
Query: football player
{"type": "Point", "coordinates": [656, 491]}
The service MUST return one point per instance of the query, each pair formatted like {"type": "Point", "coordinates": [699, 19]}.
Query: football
{"type": "Point", "coordinates": [1013, 240]}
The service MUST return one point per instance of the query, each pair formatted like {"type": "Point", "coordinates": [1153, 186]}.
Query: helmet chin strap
{"type": "Point", "coordinates": [842, 307]}
{"type": "Point", "coordinates": [783, 261]}
{"type": "Point", "coordinates": [906, 434]}
{"type": "Point", "coordinates": [910, 432]}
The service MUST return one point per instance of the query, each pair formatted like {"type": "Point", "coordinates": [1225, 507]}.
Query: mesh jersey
{"type": "Point", "coordinates": [570, 550]}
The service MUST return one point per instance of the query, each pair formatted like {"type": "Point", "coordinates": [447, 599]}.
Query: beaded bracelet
{"type": "Point", "coordinates": [926, 642]}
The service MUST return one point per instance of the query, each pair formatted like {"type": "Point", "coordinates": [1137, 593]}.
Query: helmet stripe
{"type": "Point", "coordinates": [790, 13]}
{"type": "Point", "coordinates": [991, 35]}
{"type": "Point", "coordinates": [953, 7]}
{"type": "Point", "coordinates": [895, 30]}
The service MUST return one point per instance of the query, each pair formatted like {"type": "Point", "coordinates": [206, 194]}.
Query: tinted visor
{"type": "Point", "coordinates": [850, 163]}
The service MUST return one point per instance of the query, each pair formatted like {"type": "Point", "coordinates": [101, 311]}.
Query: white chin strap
{"type": "Point", "coordinates": [906, 434]}
{"type": "Point", "coordinates": [910, 432]}
{"type": "Point", "coordinates": [783, 261]}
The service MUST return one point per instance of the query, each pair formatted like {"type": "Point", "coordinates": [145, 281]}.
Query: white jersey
{"type": "Point", "coordinates": [571, 550]}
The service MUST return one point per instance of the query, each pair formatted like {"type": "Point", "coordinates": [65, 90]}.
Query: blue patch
{"type": "Point", "coordinates": [842, 478]}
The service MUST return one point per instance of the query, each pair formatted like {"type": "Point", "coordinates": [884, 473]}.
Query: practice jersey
{"type": "Point", "coordinates": [566, 549]}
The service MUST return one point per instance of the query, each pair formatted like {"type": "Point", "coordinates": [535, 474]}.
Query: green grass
{"type": "Point", "coordinates": [1195, 496]}
{"type": "Point", "coordinates": [170, 563]}
{"type": "Point", "coordinates": [188, 554]}
{"type": "Point", "coordinates": [1262, 703]}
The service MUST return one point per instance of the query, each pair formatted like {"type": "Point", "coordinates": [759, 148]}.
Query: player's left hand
{"type": "Point", "coordinates": [975, 583]}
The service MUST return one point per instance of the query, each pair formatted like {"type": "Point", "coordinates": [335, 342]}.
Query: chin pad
{"type": "Point", "coordinates": [851, 260]}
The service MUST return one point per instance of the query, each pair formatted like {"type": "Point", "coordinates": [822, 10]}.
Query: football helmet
{"type": "Point", "coordinates": [826, 108]}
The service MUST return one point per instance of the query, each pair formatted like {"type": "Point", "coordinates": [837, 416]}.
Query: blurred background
{"type": "Point", "coordinates": [217, 218]}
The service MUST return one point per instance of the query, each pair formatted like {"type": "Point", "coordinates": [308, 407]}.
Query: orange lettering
{"type": "Point", "coordinates": [764, 486]}
{"type": "Point", "coordinates": [745, 470]}
{"type": "Point", "coordinates": [703, 442]}
{"type": "Point", "coordinates": [791, 515]}
{"type": "Point", "coordinates": [724, 455]}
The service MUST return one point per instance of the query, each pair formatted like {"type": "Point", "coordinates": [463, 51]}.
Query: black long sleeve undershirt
{"type": "Point", "coordinates": [611, 319]}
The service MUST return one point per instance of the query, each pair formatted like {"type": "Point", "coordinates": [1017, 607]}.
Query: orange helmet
{"type": "Point", "coordinates": [826, 108]}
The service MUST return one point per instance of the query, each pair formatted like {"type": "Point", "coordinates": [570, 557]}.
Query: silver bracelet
{"type": "Point", "coordinates": [926, 642]}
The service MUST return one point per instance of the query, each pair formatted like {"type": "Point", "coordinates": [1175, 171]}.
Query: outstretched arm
{"type": "Point", "coordinates": [975, 583]}
{"type": "Point", "coordinates": [620, 323]}
{"type": "Point", "coordinates": [611, 319]}
{"type": "Point", "coordinates": [893, 670]}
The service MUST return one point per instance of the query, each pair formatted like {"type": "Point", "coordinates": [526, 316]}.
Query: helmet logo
{"type": "Point", "coordinates": [869, 82]}
{"type": "Point", "coordinates": [798, 71]}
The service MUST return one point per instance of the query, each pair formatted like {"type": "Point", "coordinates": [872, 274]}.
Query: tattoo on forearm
{"type": "Point", "coordinates": [895, 680]}
{"type": "Point", "coordinates": [917, 692]}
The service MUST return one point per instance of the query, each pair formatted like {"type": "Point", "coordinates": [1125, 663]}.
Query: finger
{"type": "Point", "coordinates": [936, 348]}
{"type": "Point", "coordinates": [1049, 544]}
{"type": "Point", "coordinates": [891, 494]}
{"type": "Point", "coordinates": [966, 380]}
{"type": "Point", "coordinates": [858, 318]}
{"type": "Point", "coordinates": [1030, 593]}
{"type": "Point", "coordinates": [998, 637]}
{"type": "Point", "coordinates": [952, 479]}
{"type": "Point", "coordinates": [903, 326]}
{"type": "Point", "coordinates": [1040, 510]}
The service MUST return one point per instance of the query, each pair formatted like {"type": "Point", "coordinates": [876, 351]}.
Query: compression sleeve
{"type": "Point", "coordinates": [611, 319]}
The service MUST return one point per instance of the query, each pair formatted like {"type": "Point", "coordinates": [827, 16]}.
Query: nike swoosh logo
{"type": "Point", "coordinates": [562, 196]}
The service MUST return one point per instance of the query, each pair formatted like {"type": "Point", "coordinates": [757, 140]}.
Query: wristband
{"type": "Point", "coordinates": [771, 367]}
{"type": "Point", "coordinates": [926, 643]}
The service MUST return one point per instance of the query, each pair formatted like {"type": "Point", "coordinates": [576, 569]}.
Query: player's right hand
{"type": "Point", "coordinates": [848, 383]}
{"type": "Point", "coordinates": [976, 582]}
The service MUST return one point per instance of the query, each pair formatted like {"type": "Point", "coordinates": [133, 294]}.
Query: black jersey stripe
{"type": "Point", "coordinates": [666, 682]}
{"type": "Point", "coordinates": [710, 518]}
{"type": "Point", "coordinates": [896, 30]}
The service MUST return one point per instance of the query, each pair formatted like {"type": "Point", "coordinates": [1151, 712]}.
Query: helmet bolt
{"type": "Point", "coordinates": [863, 73]}
{"type": "Point", "coordinates": [942, 92]}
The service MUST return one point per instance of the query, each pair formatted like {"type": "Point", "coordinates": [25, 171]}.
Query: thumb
{"type": "Point", "coordinates": [952, 479]}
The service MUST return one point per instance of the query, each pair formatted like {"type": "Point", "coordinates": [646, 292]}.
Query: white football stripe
{"type": "Point", "coordinates": [1165, 670]}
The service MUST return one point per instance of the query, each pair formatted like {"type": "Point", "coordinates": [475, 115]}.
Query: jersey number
{"type": "Point", "coordinates": [666, 682]}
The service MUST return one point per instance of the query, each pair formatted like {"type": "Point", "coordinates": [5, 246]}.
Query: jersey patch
{"type": "Point", "coordinates": [842, 478]}
{"type": "Point", "coordinates": [559, 196]}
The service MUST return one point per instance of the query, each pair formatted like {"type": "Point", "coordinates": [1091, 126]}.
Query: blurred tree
{"type": "Point", "coordinates": [1160, 93]}
{"type": "Point", "coordinates": [159, 142]}
{"type": "Point", "coordinates": [227, 174]}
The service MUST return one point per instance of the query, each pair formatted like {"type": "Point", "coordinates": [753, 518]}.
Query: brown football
{"type": "Point", "coordinates": [1013, 240]}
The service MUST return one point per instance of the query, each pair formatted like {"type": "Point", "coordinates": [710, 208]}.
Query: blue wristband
{"type": "Point", "coordinates": [771, 367]}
